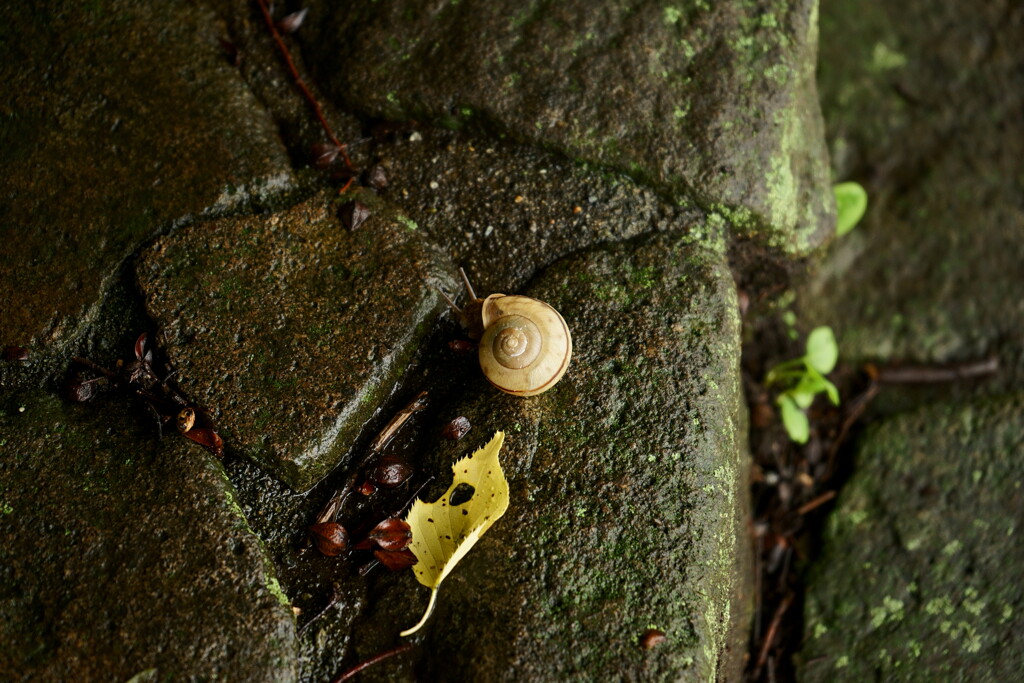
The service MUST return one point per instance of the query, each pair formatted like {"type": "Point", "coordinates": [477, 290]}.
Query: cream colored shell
{"type": "Point", "coordinates": [526, 346]}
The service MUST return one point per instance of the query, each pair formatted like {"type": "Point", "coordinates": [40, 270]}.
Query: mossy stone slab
{"type": "Point", "coordinates": [922, 105]}
{"type": "Point", "coordinates": [118, 118]}
{"type": "Point", "coordinates": [627, 490]}
{"type": "Point", "coordinates": [291, 329]}
{"type": "Point", "coordinates": [504, 211]}
{"type": "Point", "coordinates": [715, 103]}
{"type": "Point", "coordinates": [919, 577]}
{"type": "Point", "coordinates": [123, 555]}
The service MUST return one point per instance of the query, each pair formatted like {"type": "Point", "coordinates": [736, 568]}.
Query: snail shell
{"type": "Point", "coordinates": [526, 346]}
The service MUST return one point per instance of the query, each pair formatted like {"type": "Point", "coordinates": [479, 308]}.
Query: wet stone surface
{"type": "Point", "coordinates": [289, 328]}
{"type": "Point", "coordinates": [923, 107]}
{"type": "Point", "coordinates": [713, 103]}
{"type": "Point", "coordinates": [627, 481]}
{"type": "Point", "coordinates": [123, 555]}
{"type": "Point", "coordinates": [117, 120]}
{"type": "Point", "coordinates": [918, 580]}
{"type": "Point", "coordinates": [505, 211]}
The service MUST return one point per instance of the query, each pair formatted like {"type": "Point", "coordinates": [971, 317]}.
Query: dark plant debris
{"type": "Point", "coordinates": [794, 485]}
{"type": "Point", "coordinates": [330, 538]}
{"type": "Point", "coordinates": [290, 23]}
{"type": "Point", "coordinates": [286, 54]}
{"type": "Point", "coordinates": [375, 177]}
{"type": "Point", "coordinates": [145, 377]}
{"type": "Point", "coordinates": [15, 353]}
{"type": "Point", "coordinates": [652, 638]}
{"type": "Point", "coordinates": [350, 673]}
{"type": "Point", "coordinates": [354, 214]}
{"type": "Point", "coordinates": [456, 429]}
{"type": "Point", "coordinates": [389, 472]}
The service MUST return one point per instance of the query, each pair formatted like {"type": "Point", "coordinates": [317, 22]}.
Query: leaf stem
{"type": "Point", "coordinates": [426, 615]}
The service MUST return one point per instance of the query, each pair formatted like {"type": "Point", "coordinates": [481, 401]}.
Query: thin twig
{"type": "Point", "coordinates": [926, 374]}
{"type": "Point", "coordinates": [300, 83]}
{"type": "Point", "coordinates": [858, 406]}
{"type": "Point", "coordinates": [330, 511]}
{"type": "Point", "coordinates": [344, 676]}
{"type": "Point", "coordinates": [331, 602]}
{"type": "Point", "coordinates": [396, 423]}
{"type": "Point", "coordinates": [817, 502]}
{"type": "Point", "coordinates": [773, 630]}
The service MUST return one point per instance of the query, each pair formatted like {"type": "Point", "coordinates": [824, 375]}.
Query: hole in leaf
{"type": "Point", "coordinates": [462, 493]}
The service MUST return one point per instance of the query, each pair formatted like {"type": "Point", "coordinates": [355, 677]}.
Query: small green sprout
{"type": "Point", "coordinates": [804, 378]}
{"type": "Point", "coordinates": [851, 203]}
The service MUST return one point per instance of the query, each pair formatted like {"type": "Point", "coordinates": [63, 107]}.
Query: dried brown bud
{"type": "Point", "coordinates": [390, 472]}
{"type": "Point", "coordinates": [354, 214]}
{"type": "Point", "coordinates": [652, 638]}
{"type": "Point", "coordinates": [391, 534]}
{"type": "Point", "coordinates": [13, 353]}
{"type": "Point", "coordinates": [324, 154]}
{"type": "Point", "coordinates": [186, 420]}
{"type": "Point", "coordinates": [140, 346]}
{"type": "Point", "coordinates": [292, 22]}
{"type": "Point", "coordinates": [330, 538]}
{"type": "Point", "coordinates": [396, 560]}
{"type": "Point", "coordinates": [456, 429]}
{"type": "Point", "coordinates": [762, 415]}
{"type": "Point", "coordinates": [376, 177]}
{"type": "Point", "coordinates": [744, 301]}
{"type": "Point", "coordinates": [208, 439]}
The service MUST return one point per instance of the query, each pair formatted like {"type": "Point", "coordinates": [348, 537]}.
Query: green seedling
{"type": "Point", "coordinates": [851, 203]}
{"type": "Point", "coordinates": [803, 379]}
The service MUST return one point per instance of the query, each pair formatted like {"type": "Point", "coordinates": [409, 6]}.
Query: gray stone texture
{"type": "Point", "coordinates": [712, 103]}
{"type": "Point", "coordinates": [118, 119]}
{"type": "Point", "coordinates": [919, 577]}
{"type": "Point", "coordinates": [291, 328]}
{"type": "Point", "coordinates": [923, 105]}
{"type": "Point", "coordinates": [628, 490]}
{"type": "Point", "coordinates": [122, 555]}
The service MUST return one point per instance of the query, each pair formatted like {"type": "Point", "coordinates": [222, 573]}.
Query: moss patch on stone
{"type": "Point", "coordinates": [290, 328]}
{"type": "Point", "coordinates": [123, 554]}
{"type": "Point", "coordinates": [115, 124]}
{"type": "Point", "coordinates": [627, 483]}
{"type": "Point", "coordinates": [917, 579]}
{"type": "Point", "coordinates": [711, 102]}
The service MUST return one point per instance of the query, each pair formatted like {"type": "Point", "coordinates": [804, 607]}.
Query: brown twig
{"type": "Point", "coordinates": [926, 374]}
{"type": "Point", "coordinates": [330, 511]}
{"type": "Point", "coordinates": [396, 423]}
{"type": "Point", "coordinates": [817, 502]}
{"type": "Point", "coordinates": [858, 406]}
{"type": "Point", "coordinates": [345, 675]}
{"type": "Point", "coordinates": [301, 84]}
{"type": "Point", "coordinates": [331, 602]}
{"type": "Point", "coordinates": [773, 629]}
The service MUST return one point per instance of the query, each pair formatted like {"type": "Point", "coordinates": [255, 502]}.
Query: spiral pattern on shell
{"type": "Point", "coordinates": [526, 346]}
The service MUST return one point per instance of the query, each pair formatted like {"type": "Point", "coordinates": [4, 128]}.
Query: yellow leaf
{"type": "Point", "coordinates": [444, 531]}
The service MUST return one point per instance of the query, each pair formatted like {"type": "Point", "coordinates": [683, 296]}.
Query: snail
{"type": "Point", "coordinates": [525, 345]}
